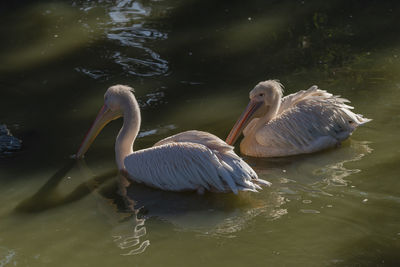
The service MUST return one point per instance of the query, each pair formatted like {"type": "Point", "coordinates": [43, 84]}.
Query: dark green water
{"type": "Point", "coordinates": [192, 64]}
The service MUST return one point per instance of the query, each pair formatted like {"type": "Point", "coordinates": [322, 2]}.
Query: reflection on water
{"type": "Point", "coordinates": [295, 179]}
{"type": "Point", "coordinates": [161, 130]}
{"type": "Point", "coordinates": [209, 215]}
{"type": "Point", "coordinates": [130, 240]}
{"type": "Point", "coordinates": [128, 230]}
{"type": "Point", "coordinates": [6, 256]}
{"type": "Point", "coordinates": [327, 167]}
{"type": "Point", "coordinates": [191, 63]}
{"type": "Point", "coordinates": [127, 227]}
{"type": "Point", "coordinates": [336, 172]}
{"type": "Point", "coordinates": [312, 175]}
{"type": "Point", "coordinates": [268, 208]}
{"type": "Point", "coordinates": [133, 52]}
{"type": "Point", "coordinates": [94, 74]}
{"type": "Point", "coordinates": [152, 100]}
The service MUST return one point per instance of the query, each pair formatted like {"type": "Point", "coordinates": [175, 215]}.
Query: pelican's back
{"type": "Point", "coordinates": [199, 137]}
{"type": "Point", "coordinates": [308, 121]}
{"type": "Point", "coordinates": [192, 160]}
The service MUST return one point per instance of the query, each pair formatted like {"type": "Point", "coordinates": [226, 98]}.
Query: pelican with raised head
{"type": "Point", "coordinates": [303, 122]}
{"type": "Point", "coordinates": [188, 161]}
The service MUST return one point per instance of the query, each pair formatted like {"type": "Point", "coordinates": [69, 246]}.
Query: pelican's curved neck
{"type": "Point", "coordinates": [130, 129]}
{"type": "Point", "coordinates": [272, 111]}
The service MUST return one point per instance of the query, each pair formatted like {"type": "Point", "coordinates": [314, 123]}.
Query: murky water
{"type": "Point", "coordinates": [192, 64]}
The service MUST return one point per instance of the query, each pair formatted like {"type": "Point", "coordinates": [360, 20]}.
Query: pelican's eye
{"type": "Point", "coordinates": [261, 94]}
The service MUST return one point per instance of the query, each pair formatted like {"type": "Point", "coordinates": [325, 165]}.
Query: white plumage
{"type": "Point", "coordinates": [191, 160]}
{"type": "Point", "coordinates": [303, 122]}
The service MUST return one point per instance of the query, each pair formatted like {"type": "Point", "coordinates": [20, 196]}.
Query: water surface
{"type": "Point", "coordinates": [192, 64]}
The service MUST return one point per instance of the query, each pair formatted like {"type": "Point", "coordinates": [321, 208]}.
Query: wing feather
{"type": "Point", "coordinates": [199, 137]}
{"type": "Point", "coordinates": [307, 116]}
{"type": "Point", "coordinates": [183, 166]}
{"type": "Point", "coordinates": [180, 166]}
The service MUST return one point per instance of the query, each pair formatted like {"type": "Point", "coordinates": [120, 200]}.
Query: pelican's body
{"type": "Point", "coordinates": [191, 160]}
{"type": "Point", "coordinates": [303, 122]}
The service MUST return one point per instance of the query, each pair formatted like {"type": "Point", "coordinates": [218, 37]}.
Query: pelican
{"type": "Point", "coordinates": [188, 161]}
{"type": "Point", "coordinates": [303, 122]}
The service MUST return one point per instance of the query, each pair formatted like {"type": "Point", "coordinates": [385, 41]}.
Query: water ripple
{"type": "Point", "coordinates": [131, 242]}
{"type": "Point", "coordinates": [126, 26]}
{"type": "Point", "coordinates": [6, 255]}
{"type": "Point", "coordinates": [95, 74]}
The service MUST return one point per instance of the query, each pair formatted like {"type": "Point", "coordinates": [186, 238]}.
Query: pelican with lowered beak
{"type": "Point", "coordinates": [188, 161]}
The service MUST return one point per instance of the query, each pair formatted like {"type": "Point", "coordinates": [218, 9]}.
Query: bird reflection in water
{"type": "Point", "coordinates": [115, 204]}
{"type": "Point", "coordinates": [127, 208]}
{"type": "Point", "coordinates": [313, 175]}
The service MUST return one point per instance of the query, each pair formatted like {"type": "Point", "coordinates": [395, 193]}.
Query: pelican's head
{"type": "Point", "coordinates": [264, 95]}
{"type": "Point", "coordinates": [115, 98]}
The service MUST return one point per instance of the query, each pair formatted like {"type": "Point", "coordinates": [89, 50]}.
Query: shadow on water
{"type": "Point", "coordinates": [127, 227]}
{"type": "Point", "coordinates": [215, 214]}
{"type": "Point", "coordinates": [46, 197]}
{"type": "Point", "coordinates": [63, 54]}
{"type": "Point", "coordinates": [208, 214]}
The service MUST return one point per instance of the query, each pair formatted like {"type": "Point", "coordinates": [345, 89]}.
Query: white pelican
{"type": "Point", "coordinates": [303, 122]}
{"type": "Point", "coordinates": [191, 160]}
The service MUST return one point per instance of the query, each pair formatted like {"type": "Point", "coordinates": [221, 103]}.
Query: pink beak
{"type": "Point", "coordinates": [105, 116]}
{"type": "Point", "coordinates": [242, 122]}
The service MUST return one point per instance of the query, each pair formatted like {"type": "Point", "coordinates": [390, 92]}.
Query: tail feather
{"type": "Point", "coordinates": [262, 182]}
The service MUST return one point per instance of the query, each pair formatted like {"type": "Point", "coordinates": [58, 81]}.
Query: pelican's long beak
{"type": "Point", "coordinates": [105, 116]}
{"type": "Point", "coordinates": [243, 120]}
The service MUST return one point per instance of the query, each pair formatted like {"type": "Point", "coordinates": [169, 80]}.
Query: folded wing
{"type": "Point", "coordinates": [310, 120]}
{"type": "Point", "coordinates": [192, 160]}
